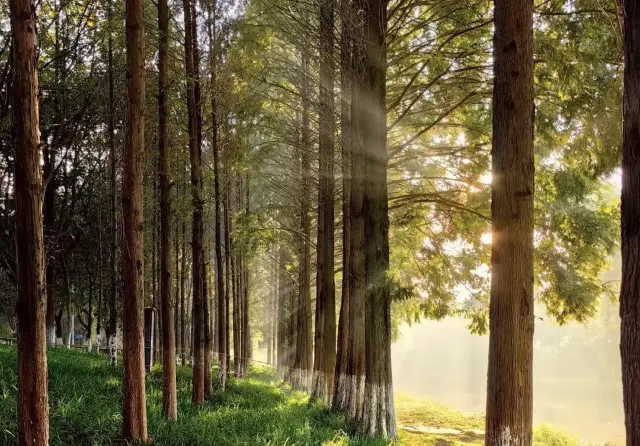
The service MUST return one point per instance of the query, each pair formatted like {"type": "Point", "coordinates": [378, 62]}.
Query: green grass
{"type": "Point", "coordinates": [85, 398]}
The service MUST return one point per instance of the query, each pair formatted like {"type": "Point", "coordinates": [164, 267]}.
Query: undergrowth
{"type": "Point", "coordinates": [85, 400]}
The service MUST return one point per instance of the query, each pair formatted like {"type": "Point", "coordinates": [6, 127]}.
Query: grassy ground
{"type": "Point", "coordinates": [85, 400]}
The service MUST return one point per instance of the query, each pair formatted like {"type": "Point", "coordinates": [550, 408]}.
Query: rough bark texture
{"type": "Point", "coordinates": [112, 326]}
{"type": "Point", "coordinates": [325, 326]}
{"type": "Point", "coordinates": [169, 395]}
{"type": "Point", "coordinates": [227, 258]}
{"type": "Point", "coordinates": [208, 384]}
{"type": "Point", "coordinates": [282, 348]}
{"type": "Point", "coordinates": [134, 415]}
{"type": "Point", "coordinates": [510, 376]}
{"type": "Point", "coordinates": [339, 400]}
{"type": "Point", "coordinates": [353, 380]}
{"type": "Point", "coordinates": [630, 287]}
{"type": "Point", "coordinates": [33, 407]}
{"type": "Point", "coordinates": [304, 344]}
{"type": "Point", "coordinates": [197, 396]}
{"type": "Point", "coordinates": [183, 301]}
{"type": "Point", "coordinates": [378, 414]}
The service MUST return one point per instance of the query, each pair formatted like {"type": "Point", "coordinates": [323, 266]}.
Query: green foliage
{"type": "Point", "coordinates": [85, 399]}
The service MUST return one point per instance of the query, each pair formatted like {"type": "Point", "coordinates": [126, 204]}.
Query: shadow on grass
{"type": "Point", "coordinates": [85, 398]}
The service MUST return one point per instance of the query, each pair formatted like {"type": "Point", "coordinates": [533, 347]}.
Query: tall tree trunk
{"type": "Point", "coordinates": [339, 400]}
{"type": "Point", "coordinates": [246, 334]}
{"type": "Point", "coordinates": [207, 333]}
{"type": "Point", "coordinates": [169, 394]}
{"type": "Point", "coordinates": [100, 281]}
{"type": "Point", "coordinates": [355, 367]}
{"type": "Point", "coordinates": [630, 287]}
{"type": "Point", "coordinates": [135, 412]}
{"type": "Point", "coordinates": [304, 347]}
{"type": "Point", "coordinates": [378, 418]}
{"type": "Point", "coordinates": [197, 396]}
{"type": "Point", "coordinates": [236, 312]}
{"type": "Point", "coordinates": [90, 312]}
{"type": "Point", "coordinates": [510, 376]}
{"type": "Point", "coordinates": [183, 300]}
{"type": "Point", "coordinates": [227, 256]}
{"type": "Point", "coordinates": [154, 281]}
{"type": "Point", "coordinates": [49, 219]}
{"type": "Point", "coordinates": [49, 168]}
{"type": "Point", "coordinates": [325, 326]}
{"type": "Point", "coordinates": [33, 406]}
{"type": "Point", "coordinates": [177, 307]}
{"type": "Point", "coordinates": [112, 327]}
{"type": "Point", "coordinates": [282, 338]}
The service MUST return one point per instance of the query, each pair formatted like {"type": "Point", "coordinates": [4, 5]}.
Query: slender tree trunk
{"type": "Point", "coordinates": [207, 334]}
{"type": "Point", "coordinates": [282, 341]}
{"type": "Point", "coordinates": [228, 257]}
{"type": "Point", "coordinates": [246, 334]}
{"type": "Point", "coordinates": [135, 412]}
{"type": "Point", "coordinates": [268, 314]}
{"type": "Point", "coordinates": [49, 219]}
{"type": "Point", "coordinates": [630, 287]}
{"type": "Point", "coordinates": [33, 407]}
{"type": "Point", "coordinates": [177, 308]}
{"type": "Point", "coordinates": [100, 282]}
{"type": "Point", "coordinates": [235, 314]}
{"type": "Point", "coordinates": [325, 326]}
{"type": "Point", "coordinates": [355, 367]}
{"type": "Point", "coordinates": [154, 275]}
{"type": "Point", "coordinates": [378, 418]}
{"type": "Point", "coordinates": [90, 313]}
{"type": "Point", "coordinates": [197, 396]}
{"type": "Point", "coordinates": [112, 327]}
{"type": "Point", "coordinates": [183, 301]}
{"type": "Point", "coordinates": [304, 345]}
{"type": "Point", "coordinates": [169, 394]}
{"type": "Point", "coordinates": [49, 166]}
{"type": "Point", "coordinates": [510, 376]}
{"type": "Point", "coordinates": [339, 400]}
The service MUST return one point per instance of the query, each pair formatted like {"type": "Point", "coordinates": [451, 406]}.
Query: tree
{"type": "Point", "coordinates": [340, 380]}
{"type": "Point", "coordinates": [304, 348]}
{"type": "Point", "coordinates": [378, 417]}
{"type": "Point", "coordinates": [325, 326]}
{"type": "Point", "coordinates": [112, 327]}
{"type": "Point", "coordinates": [510, 376]}
{"type": "Point", "coordinates": [33, 406]}
{"type": "Point", "coordinates": [630, 213]}
{"type": "Point", "coordinates": [197, 396]}
{"type": "Point", "coordinates": [169, 394]}
{"type": "Point", "coordinates": [134, 415]}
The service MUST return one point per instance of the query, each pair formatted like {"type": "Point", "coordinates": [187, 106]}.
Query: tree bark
{"type": "Point", "coordinates": [183, 301]}
{"type": "Point", "coordinates": [325, 326]}
{"type": "Point", "coordinates": [112, 326]}
{"type": "Point", "coordinates": [355, 356]}
{"type": "Point", "coordinates": [207, 333]}
{"type": "Point", "coordinates": [197, 396]}
{"type": "Point", "coordinates": [169, 394]}
{"type": "Point", "coordinates": [510, 375]}
{"type": "Point", "coordinates": [135, 412]}
{"type": "Point", "coordinates": [630, 213]}
{"type": "Point", "coordinates": [339, 400]}
{"type": "Point", "coordinates": [33, 406]}
{"type": "Point", "coordinates": [378, 417]}
{"type": "Point", "coordinates": [304, 344]}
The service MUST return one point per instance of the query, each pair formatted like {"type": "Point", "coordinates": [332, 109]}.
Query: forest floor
{"type": "Point", "coordinates": [85, 397]}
